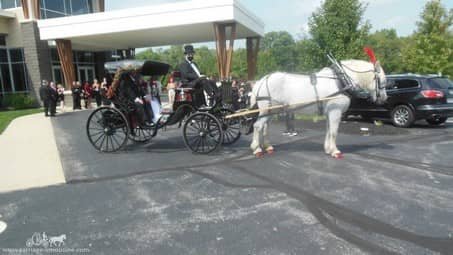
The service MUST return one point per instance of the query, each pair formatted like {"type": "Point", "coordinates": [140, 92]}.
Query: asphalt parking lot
{"type": "Point", "coordinates": [390, 195]}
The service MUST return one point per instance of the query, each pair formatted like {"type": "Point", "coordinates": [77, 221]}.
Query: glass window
{"type": "Point", "coordinates": [52, 14]}
{"type": "Point", "coordinates": [3, 56]}
{"type": "Point", "coordinates": [20, 84]}
{"type": "Point", "coordinates": [6, 77]}
{"type": "Point", "coordinates": [56, 6]}
{"type": "Point", "coordinates": [16, 55]}
{"type": "Point", "coordinates": [8, 4]}
{"type": "Point", "coordinates": [3, 40]}
{"type": "Point", "coordinates": [439, 83]}
{"type": "Point", "coordinates": [54, 55]}
{"type": "Point", "coordinates": [406, 84]}
{"type": "Point", "coordinates": [79, 7]}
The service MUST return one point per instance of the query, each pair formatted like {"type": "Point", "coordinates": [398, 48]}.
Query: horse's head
{"type": "Point", "coordinates": [368, 76]}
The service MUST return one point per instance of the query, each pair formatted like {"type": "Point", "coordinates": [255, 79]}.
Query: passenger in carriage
{"type": "Point", "coordinates": [132, 95]}
{"type": "Point", "coordinates": [153, 106]}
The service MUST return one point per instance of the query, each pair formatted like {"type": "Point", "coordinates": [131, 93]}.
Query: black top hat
{"type": "Point", "coordinates": [188, 49]}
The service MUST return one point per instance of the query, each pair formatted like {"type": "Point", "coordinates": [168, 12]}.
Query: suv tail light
{"type": "Point", "coordinates": [432, 94]}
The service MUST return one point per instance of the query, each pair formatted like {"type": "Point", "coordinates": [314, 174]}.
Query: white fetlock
{"type": "Point", "coordinates": [258, 153]}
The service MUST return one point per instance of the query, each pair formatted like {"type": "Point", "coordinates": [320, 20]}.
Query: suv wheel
{"type": "Point", "coordinates": [436, 121]}
{"type": "Point", "coordinates": [402, 116]}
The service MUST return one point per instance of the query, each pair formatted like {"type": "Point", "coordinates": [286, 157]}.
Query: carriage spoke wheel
{"type": "Point", "coordinates": [142, 135]}
{"type": "Point", "coordinates": [202, 133]}
{"type": "Point", "coordinates": [107, 129]}
{"type": "Point", "coordinates": [231, 127]}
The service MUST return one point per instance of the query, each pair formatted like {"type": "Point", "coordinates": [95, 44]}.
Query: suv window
{"type": "Point", "coordinates": [402, 83]}
{"type": "Point", "coordinates": [439, 83]}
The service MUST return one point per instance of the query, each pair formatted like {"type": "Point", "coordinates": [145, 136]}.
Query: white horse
{"type": "Point", "coordinates": [286, 89]}
{"type": "Point", "coordinates": [57, 241]}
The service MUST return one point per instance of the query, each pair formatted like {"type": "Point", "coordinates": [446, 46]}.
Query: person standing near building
{"type": "Point", "coordinates": [60, 91]}
{"type": "Point", "coordinates": [76, 95]}
{"type": "Point", "coordinates": [97, 92]}
{"type": "Point", "coordinates": [44, 95]}
{"type": "Point", "coordinates": [87, 94]}
{"type": "Point", "coordinates": [53, 98]}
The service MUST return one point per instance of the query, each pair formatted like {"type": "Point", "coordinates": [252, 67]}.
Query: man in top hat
{"type": "Point", "coordinates": [189, 69]}
{"type": "Point", "coordinates": [191, 77]}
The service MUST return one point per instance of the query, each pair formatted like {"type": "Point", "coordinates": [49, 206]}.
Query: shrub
{"type": "Point", "coordinates": [18, 101]}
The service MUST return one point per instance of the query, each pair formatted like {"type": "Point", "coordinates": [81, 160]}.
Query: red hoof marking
{"type": "Point", "coordinates": [338, 156]}
{"type": "Point", "coordinates": [259, 155]}
{"type": "Point", "coordinates": [270, 152]}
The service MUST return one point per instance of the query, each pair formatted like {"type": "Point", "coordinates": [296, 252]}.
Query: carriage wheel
{"type": "Point", "coordinates": [231, 127]}
{"type": "Point", "coordinates": [202, 133]}
{"type": "Point", "coordinates": [142, 135]}
{"type": "Point", "coordinates": [107, 129]}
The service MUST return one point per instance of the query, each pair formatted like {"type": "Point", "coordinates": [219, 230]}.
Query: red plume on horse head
{"type": "Point", "coordinates": [370, 53]}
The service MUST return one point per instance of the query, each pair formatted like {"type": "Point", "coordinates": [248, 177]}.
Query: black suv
{"type": "Point", "coordinates": [411, 97]}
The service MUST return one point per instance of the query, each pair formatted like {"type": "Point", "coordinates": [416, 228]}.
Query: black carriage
{"type": "Point", "coordinates": [204, 128]}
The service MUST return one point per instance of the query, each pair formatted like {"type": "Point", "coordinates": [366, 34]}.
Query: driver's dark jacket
{"type": "Point", "coordinates": [188, 75]}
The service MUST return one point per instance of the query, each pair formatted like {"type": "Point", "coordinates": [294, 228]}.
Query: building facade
{"type": "Point", "coordinates": [70, 40]}
{"type": "Point", "coordinates": [26, 60]}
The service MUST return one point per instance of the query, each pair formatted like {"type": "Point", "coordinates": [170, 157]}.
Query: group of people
{"type": "Point", "coordinates": [51, 95]}
{"type": "Point", "coordinates": [88, 92]}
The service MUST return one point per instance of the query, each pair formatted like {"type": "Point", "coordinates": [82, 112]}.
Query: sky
{"type": "Point", "coordinates": [292, 15]}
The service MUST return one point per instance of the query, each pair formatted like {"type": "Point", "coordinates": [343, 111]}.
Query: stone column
{"type": "Point", "coordinates": [37, 57]}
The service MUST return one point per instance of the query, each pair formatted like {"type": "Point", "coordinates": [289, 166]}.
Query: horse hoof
{"type": "Point", "coordinates": [270, 152]}
{"type": "Point", "coordinates": [338, 155]}
{"type": "Point", "coordinates": [259, 155]}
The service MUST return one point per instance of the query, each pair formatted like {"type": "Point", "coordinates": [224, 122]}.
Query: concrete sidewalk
{"type": "Point", "coordinates": [28, 154]}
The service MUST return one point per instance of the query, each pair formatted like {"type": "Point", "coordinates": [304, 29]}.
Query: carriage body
{"type": "Point", "coordinates": [205, 128]}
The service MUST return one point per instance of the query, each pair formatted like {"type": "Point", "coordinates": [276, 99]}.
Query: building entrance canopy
{"type": "Point", "coordinates": [157, 25]}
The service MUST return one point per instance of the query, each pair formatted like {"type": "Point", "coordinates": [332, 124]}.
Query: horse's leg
{"type": "Point", "coordinates": [327, 145]}
{"type": "Point", "coordinates": [257, 143]}
{"type": "Point", "coordinates": [266, 143]}
{"type": "Point", "coordinates": [333, 119]}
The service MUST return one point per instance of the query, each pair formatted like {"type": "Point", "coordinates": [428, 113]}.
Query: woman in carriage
{"type": "Point", "coordinates": [128, 95]}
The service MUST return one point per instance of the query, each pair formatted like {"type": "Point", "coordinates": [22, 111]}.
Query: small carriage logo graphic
{"type": "Point", "coordinates": [41, 239]}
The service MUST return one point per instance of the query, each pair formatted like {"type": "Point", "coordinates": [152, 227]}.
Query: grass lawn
{"type": "Point", "coordinates": [7, 116]}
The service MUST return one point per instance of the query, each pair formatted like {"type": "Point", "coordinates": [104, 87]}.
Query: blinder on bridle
{"type": "Point", "coordinates": [378, 84]}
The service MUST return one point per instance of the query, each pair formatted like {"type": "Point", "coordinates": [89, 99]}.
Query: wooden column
{"type": "Point", "coordinates": [36, 9]}
{"type": "Point", "coordinates": [101, 5]}
{"type": "Point", "coordinates": [224, 55]}
{"type": "Point", "coordinates": [253, 46]}
{"type": "Point", "coordinates": [25, 8]}
{"type": "Point", "coordinates": [64, 48]}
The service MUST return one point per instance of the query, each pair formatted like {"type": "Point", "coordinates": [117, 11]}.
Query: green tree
{"type": "Point", "coordinates": [280, 46]}
{"type": "Point", "coordinates": [388, 48]}
{"type": "Point", "coordinates": [239, 67]}
{"type": "Point", "coordinates": [337, 27]}
{"type": "Point", "coordinates": [431, 47]}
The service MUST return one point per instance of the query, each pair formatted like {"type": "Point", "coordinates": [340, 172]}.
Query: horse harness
{"type": "Point", "coordinates": [346, 85]}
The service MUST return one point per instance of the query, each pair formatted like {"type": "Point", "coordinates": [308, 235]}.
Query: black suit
{"type": "Point", "coordinates": [44, 95]}
{"type": "Point", "coordinates": [53, 97]}
{"type": "Point", "coordinates": [190, 78]}
{"type": "Point", "coordinates": [188, 74]}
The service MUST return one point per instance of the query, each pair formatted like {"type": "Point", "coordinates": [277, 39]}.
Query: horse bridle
{"type": "Point", "coordinates": [377, 81]}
